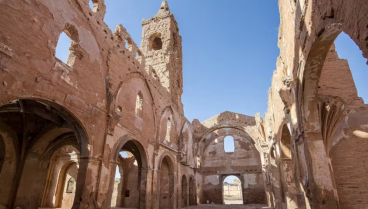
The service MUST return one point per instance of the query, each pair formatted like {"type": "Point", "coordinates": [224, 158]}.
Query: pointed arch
{"type": "Point", "coordinates": [142, 77]}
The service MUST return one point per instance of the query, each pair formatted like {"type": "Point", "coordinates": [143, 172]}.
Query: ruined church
{"type": "Point", "coordinates": [68, 128]}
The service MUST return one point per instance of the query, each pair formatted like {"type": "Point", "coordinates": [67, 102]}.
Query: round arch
{"type": "Point", "coordinates": [166, 193]}
{"type": "Point", "coordinates": [238, 176]}
{"type": "Point", "coordinates": [329, 31]}
{"type": "Point", "coordinates": [71, 121]}
{"type": "Point", "coordinates": [215, 128]}
{"type": "Point", "coordinates": [247, 136]}
{"type": "Point", "coordinates": [129, 143]}
{"type": "Point", "coordinates": [61, 182]}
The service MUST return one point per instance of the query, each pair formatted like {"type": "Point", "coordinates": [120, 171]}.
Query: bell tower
{"type": "Point", "coordinates": [161, 47]}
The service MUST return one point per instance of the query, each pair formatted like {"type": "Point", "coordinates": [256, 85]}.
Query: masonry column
{"type": "Point", "coordinates": [149, 197]}
{"type": "Point", "coordinates": [86, 193]}
{"type": "Point", "coordinates": [320, 180]}
{"type": "Point", "coordinates": [155, 189]}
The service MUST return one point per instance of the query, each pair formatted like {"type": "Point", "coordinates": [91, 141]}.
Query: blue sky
{"type": "Point", "coordinates": [229, 51]}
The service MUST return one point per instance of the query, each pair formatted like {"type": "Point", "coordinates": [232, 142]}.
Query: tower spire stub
{"type": "Point", "coordinates": [164, 9]}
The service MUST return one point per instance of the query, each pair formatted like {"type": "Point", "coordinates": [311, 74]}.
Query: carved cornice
{"type": "Point", "coordinates": [332, 112]}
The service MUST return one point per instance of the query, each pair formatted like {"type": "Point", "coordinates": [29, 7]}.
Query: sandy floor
{"type": "Point", "coordinates": [213, 206]}
{"type": "Point", "coordinates": [235, 202]}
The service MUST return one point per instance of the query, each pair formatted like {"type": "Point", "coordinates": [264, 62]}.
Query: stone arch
{"type": "Point", "coordinates": [313, 68]}
{"type": "Point", "coordinates": [323, 114]}
{"type": "Point", "coordinates": [135, 75]}
{"type": "Point", "coordinates": [166, 194]}
{"type": "Point", "coordinates": [240, 177]}
{"type": "Point", "coordinates": [61, 182]}
{"type": "Point", "coordinates": [129, 143]}
{"type": "Point", "coordinates": [61, 158]}
{"type": "Point", "coordinates": [245, 161]}
{"type": "Point", "coordinates": [25, 162]}
{"type": "Point", "coordinates": [215, 128]}
{"type": "Point", "coordinates": [123, 108]}
{"type": "Point", "coordinates": [235, 128]}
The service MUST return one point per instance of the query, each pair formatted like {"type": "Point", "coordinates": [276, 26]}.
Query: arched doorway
{"type": "Point", "coordinates": [166, 184]}
{"type": "Point", "coordinates": [192, 191]}
{"type": "Point", "coordinates": [62, 177]}
{"type": "Point", "coordinates": [34, 131]}
{"type": "Point", "coordinates": [130, 186]}
{"type": "Point", "coordinates": [232, 191]}
{"type": "Point", "coordinates": [184, 192]}
{"type": "Point", "coordinates": [68, 179]}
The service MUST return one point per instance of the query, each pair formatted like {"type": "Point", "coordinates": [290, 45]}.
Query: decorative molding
{"type": "Point", "coordinates": [332, 112]}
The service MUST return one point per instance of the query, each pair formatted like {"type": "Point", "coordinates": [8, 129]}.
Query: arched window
{"type": "Point", "coordinates": [66, 48]}
{"type": "Point", "coordinates": [139, 104]}
{"type": "Point", "coordinates": [70, 186]}
{"type": "Point", "coordinates": [168, 130]}
{"type": "Point", "coordinates": [229, 145]}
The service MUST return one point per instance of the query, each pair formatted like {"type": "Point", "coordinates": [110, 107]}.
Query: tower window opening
{"type": "Point", "coordinates": [155, 42]}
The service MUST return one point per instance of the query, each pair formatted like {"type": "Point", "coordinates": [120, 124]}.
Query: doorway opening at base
{"type": "Point", "coordinates": [232, 191]}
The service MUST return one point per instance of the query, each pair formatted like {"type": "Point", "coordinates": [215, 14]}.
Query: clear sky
{"type": "Point", "coordinates": [229, 51]}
